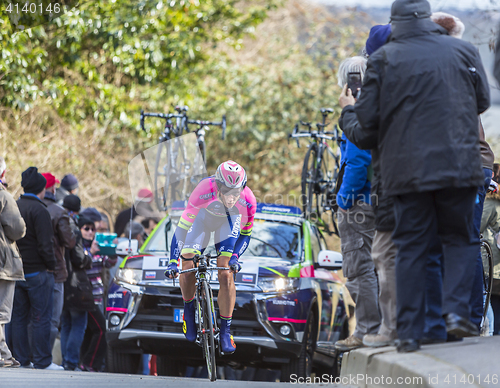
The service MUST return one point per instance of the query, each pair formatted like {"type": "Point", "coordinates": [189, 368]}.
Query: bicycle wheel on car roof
{"type": "Point", "coordinates": [208, 335]}
{"type": "Point", "coordinates": [171, 172]}
{"type": "Point", "coordinates": [487, 257]}
{"type": "Point", "coordinates": [310, 204]}
{"type": "Point", "coordinates": [161, 178]}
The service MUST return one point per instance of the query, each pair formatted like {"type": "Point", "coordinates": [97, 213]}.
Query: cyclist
{"type": "Point", "coordinates": [225, 205]}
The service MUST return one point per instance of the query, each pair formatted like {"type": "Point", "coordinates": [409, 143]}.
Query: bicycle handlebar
{"type": "Point", "coordinates": [182, 113]}
{"type": "Point", "coordinates": [314, 135]}
{"type": "Point", "coordinates": [208, 269]}
{"type": "Point", "coordinates": [163, 116]}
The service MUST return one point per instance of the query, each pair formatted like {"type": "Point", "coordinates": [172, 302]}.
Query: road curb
{"type": "Point", "coordinates": [384, 367]}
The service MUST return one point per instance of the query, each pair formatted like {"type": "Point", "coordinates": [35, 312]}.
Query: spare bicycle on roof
{"type": "Point", "coordinates": [320, 170]}
{"type": "Point", "coordinates": [176, 171]}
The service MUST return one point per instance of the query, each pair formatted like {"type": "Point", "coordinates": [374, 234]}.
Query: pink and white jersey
{"type": "Point", "coordinates": [205, 196]}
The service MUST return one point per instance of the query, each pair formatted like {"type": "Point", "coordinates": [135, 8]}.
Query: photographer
{"type": "Point", "coordinates": [383, 249]}
{"type": "Point", "coordinates": [356, 226]}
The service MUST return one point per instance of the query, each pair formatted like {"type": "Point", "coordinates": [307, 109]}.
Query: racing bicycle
{"type": "Point", "coordinates": [207, 331]}
{"type": "Point", "coordinates": [487, 256]}
{"type": "Point", "coordinates": [174, 173]}
{"type": "Point", "coordinates": [320, 170]}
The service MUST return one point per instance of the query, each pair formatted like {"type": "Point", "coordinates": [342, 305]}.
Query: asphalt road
{"type": "Point", "coordinates": [31, 378]}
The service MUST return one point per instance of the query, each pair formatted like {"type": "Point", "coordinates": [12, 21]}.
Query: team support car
{"type": "Point", "coordinates": [289, 309]}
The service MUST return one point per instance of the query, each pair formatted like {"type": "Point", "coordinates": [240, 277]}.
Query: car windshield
{"type": "Point", "coordinates": [269, 239]}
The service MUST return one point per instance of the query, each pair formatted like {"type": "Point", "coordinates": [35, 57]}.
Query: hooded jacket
{"type": "Point", "coordinates": [422, 93]}
{"type": "Point", "coordinates": [12, 228]}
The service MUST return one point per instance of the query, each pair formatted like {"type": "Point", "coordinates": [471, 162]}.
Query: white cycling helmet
{"type": "Point", "coordinates": [231, 175]}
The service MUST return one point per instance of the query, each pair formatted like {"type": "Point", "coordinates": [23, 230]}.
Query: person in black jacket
{"type": "Point", "coordinates": [422, 93]}
{"type": "Point", "coordinates": [33, 297]}
{"type": "Point", "coordinates": [64, 238]}
{"type": "Point", "coordinates": [78, 297]}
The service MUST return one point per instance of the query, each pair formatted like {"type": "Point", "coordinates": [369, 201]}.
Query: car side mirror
{"type": "Point", "coordinates": [123, 248]}
{"type": "Point", "coordinates": [330, 260]}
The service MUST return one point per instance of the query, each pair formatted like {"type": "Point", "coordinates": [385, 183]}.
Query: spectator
{"type": "Point", "coordinates": [103, 225]}
{"type": "Point", "coordinates": [93, 349]}
{"type": "Point", "coordinates": [148, 224]}
{"type": "Point", "coordinates": [33, 297]}
{"type": "Point", "coordinates": [411, 109]}
{"type": "Point", "coordinates": [64, 238]}
{"type": "Point", "coordinates": [383, 249]}
{"type": "Point", "coordinates": [97, 274]}
{"type": "Point", "coordinates": [456, 28]}
{"type": "Point", "coordinates": [490, 227]}
{"type": "Point", "coordinates": [69, 185]}
{"type": "Point", "coordinates": [142, 209]}
{"type": "Point", "coordinates": [78, 297]}
{"type": "Point", "coordinates": [12, 228]}
{"type": "Point", "coordinates": [356, 229]}
{"type": "Point", "coordinates": [137, 232]}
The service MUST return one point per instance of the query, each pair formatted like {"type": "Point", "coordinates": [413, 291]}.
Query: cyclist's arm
{"type": "Point", "coordinates": [246, 225]}
{"type": "Point", "coordinates": [188, 216]}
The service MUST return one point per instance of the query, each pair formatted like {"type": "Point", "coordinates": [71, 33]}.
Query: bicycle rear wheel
{"type": "Point", "coordinates": [208, 332]}
{"type": "Point", "coordinates": [310, 205]}
{"type": "Point", "coordinates": [487, 257]}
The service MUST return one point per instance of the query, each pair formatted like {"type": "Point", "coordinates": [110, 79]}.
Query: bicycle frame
{"type": "Point", "coordinates": [207, 332]}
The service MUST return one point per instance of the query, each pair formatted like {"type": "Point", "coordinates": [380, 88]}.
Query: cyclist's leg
{"type": "Point", "coordinates": [192, 246]}
{"type": "Point", "coordinates": [227, 236]}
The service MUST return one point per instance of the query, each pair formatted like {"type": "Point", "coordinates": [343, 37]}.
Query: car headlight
{"type": "Point", "coordinates": [129, 275]}
{"type": "Point", "coordinates": [277, 284]}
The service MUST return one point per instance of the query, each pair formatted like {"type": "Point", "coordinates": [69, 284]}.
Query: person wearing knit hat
{"type": "Point", "coordinates": [377, 38]}
{"type": "Point", "coordinates": [64, 239]}
{"type": "Point", "coordinates": [91, 214]}
{"type": "Point", "coordinates": [34, 296]}
{"type": "Point", "coordinates": [51, 179]}
{"type": "Point", "coordinates": [69, 185]}
{"type": "Point", "coordinates": [421, 89]}
{"type": "Point", "coordinates": [73, 203]}
{"type": "Point", "coordinates": [33, 182]}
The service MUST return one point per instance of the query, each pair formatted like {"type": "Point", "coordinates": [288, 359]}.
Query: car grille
{"type": "Point", "coordinates": [156, 313]}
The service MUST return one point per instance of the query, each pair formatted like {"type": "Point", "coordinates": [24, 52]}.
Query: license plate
{"type": "Point", "coordinates": [178, 315]}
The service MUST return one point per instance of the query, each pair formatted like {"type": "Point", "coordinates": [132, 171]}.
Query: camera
{"type": "Point", "coordinates": [354, 83]}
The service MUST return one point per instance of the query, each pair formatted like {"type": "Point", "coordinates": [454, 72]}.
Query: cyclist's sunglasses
{"type": "Point", "coordinates": [228, 191]}
{"type": "Point", "coordinates": [87, 228]}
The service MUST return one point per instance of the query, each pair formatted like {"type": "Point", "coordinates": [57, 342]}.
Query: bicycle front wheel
{"type": "Point", "coordinates": [208, 332]}
{"type": "Point", "coordinates": [310, 205]}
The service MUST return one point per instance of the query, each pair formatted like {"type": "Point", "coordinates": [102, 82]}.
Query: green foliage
{"type": "Point", "coordinates": [100, 59]}
{"type": "Point", "coordinates": [266, 64]}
